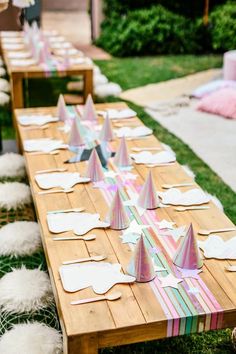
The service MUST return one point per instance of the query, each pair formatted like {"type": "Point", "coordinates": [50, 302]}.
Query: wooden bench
{"type": "Point", "coordinates": [145, 311]}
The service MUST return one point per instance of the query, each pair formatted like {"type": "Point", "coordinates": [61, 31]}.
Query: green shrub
{"type": "Point", "coordinates": [187, 8]}
{"type": "Point", "coordinates": [149, 31]}
{"type": "Point", "coordinates": [223, 27]}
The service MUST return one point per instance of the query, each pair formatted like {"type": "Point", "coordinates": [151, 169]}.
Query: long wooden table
{"type": "Point", "coordinates": [17, 74]}
{"type": "Point", "coordinates": [145, 311]}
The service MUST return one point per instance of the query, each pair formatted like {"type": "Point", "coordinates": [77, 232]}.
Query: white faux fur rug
{"type": "Point", "coordinates": [31, 338]}
{"type": "Point", "coordinates": [25, 290]}
{"type": "Point", "coordinates": [14, 195]}
{"type": "Point", "coordinates": [12, 165]}
{"type": "Point", "coordinates": [4, 85]}
{"type": "Point", "coordinates": [4, 98]}
{"type": "Point", "coordinates": [20, 238]}
{"type": "Point", "coordinates": [2, 71]}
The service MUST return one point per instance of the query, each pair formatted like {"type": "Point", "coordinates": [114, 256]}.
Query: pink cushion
{"type": "Point", "coordinates": [222, 102]}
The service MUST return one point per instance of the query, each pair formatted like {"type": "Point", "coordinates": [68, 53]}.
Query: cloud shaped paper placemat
{"type": "Point", "coordinates": [44, 145]}
{"type": "Point", "coordinates": [216, 247]}
{"type": "Point", "coordinates": [79, 223]}
{"type": "Point", "coordinates": [100, 276]}
{"type": "Point", "coordinates": [37, 119]}
{"type": "Point", "coordinates": [121, 113]}
{"type": "Point", "coordinates": [64, 180]}
{"type": "Point", "coordinates": [133, 132]}
{"type": "Point", "coordinates": [146, 157]}
{"type": "Point", "coordinates": [192, 197]}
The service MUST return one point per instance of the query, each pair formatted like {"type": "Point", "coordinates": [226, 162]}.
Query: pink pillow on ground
{"type": "Point", "coordinates": [222, 102]}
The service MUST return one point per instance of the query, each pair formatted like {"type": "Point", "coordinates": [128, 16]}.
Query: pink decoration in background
{"type": "Point", "coordinates": [122, 158]}
{"type": "Point", "coordinates": [118, 218]}
{"type": "Point", "coordinates": [222, 102]}
{"type": "Point", "coordinates": [75, 136]}
{"type": "Point", "coordinates": [106, 133]}
{"type": "Point", "coordinates": [229, 69]}
{"type": "Point", "coordinates": [141, 265]}
{"type": "Point", "coordinates": [62, 112]}
{"type": "Point", "coordinates": [188, 254]}
{"type": "Point", "coordinates": [94, 169]}
{"type": "Point", "coordinates": [89, 110]}
{"type": "Point", "coordinates": [148, 198]}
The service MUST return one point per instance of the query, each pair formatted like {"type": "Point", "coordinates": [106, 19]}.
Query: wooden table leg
{"type": "Point", "coordinates": [17, 91]}
{"type": "Point", "coordinates": [88, 83]}
{"type": "Point", "coordinates": [85, 344]}
{"type": "Point", "coordinates": [17, 102]}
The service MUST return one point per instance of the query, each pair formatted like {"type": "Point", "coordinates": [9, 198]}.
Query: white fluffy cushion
{"type": "Point", "coordinates": [25, 290]}
{"type": "Point", "coordinates": [110, 89]}
{"type": "Point", "coordinates": [4, 85]}
{"type": "Point", "coordinates": [12, 165]}
{"type": "Point", "coordinates": [2, 71]}
{"type": "Point", "coordinates": [19, 238]}
{"type": "Point", "coordinates": [4, 98]}
{"type": "Point", "coordinates": [31, 338]}
{"type": "Point", "coordinates": [99, 79]}
{"type": "Point", "coordinates": [14, 195]}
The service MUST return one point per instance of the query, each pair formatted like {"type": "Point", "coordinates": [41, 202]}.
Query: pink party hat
{"type": "Point", "coordinates": [122, 157]}
{"type": "Point", "coordinates": [89, 110]}
{"type": "Point", "coordinates": [117, 216]}
{"type": "Point", "coordinates": [43, 54]}
{"type": "Point", "coordinates": [148, 198]}
{"type": "Point", "coordinates": [66, 59]}
{"type": "Point", "coordinates": [75, 136]}
{"type": "Point", "coordinates": [141, 265]}
{"type": "Point", "coordinates": [62, 112]}
{"type": "Point", "coordinates": [94, 169]}
{"type": "Point", "coordinates": [107, 132]}
{"type": "Point", "coordinates": [188, 254]}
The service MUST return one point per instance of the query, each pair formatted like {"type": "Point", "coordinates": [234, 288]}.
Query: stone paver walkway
{"type": "Point", "coordinates": [167, 90]}
{"type": "Point", "coordinates": [75, 26]}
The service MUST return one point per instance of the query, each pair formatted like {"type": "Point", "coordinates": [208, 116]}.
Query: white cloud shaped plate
{"type": "Point", "coordinates": [133, 132]}
{"type": "Point", "coordinates": [44, 145]}
{"type": "Point", "coordinates": [216, 247]}
{"type": "Point", "coordinates": [64, 180]}
{"type": "Point", "coordinates": [37, 119]}
{"type": "Point", "coordinates": [100, 276]}
{"type": "Point", "coordinates": [79, 223]}
{"type": "Point", "coordinates": [192, 197]}
{"type": "Point", "coordinates": [146, 157]}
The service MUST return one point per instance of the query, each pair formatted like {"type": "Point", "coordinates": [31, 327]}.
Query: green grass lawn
{"type": "Point", "coordinates": [132, 73]}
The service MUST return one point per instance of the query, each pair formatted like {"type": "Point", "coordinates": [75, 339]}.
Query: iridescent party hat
{"type": "Point", "coordinates": [94, 169]}
{"type": "Point", "coordinates": [188, 255]}
{"type": "Point", "coordinates": [106, 133]}
{"type": "Point", "coordinates": [62, 112]}
{"type": "Point", "coordinates": [75, 136]}
{"type": "Point", "coordinates": [141, 264]}
{"type": "Point", "coordinates": [43, 54]}
{"type": "Point", "coordinates": [89, 110]}
{"type": "Point", "coordinates": [117, 215]}
{"type": "Point", "coordinates": [122, 158]}
{"type": "Point", "coordinates": [148, 198]}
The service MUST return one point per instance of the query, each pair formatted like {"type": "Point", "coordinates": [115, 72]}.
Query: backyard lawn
{"type": "Point", "coordinates": [134, 72]}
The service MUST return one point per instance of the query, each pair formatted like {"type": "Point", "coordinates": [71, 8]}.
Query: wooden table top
{"type": "Point", "coordinates": [37, 71]}
{"type": "Point", "coordinates": [145, 311]}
